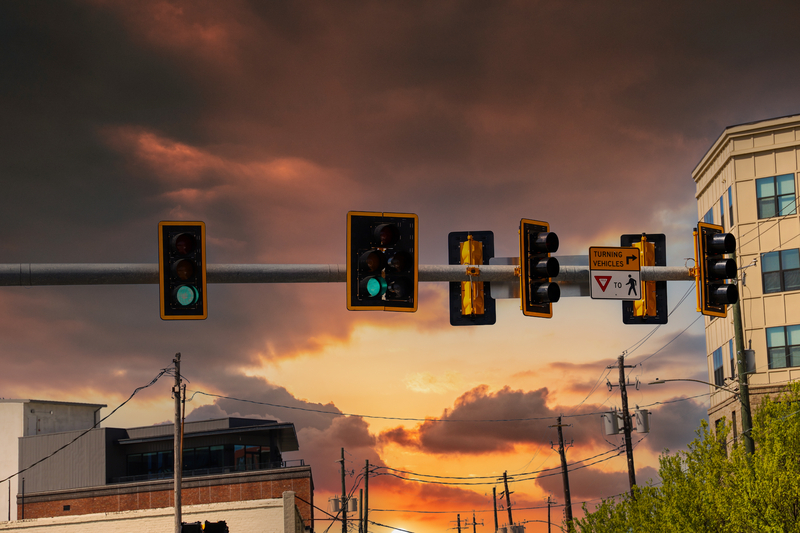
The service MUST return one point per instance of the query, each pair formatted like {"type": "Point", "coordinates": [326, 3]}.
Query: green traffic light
{"type": "Point", "coordinates": [376, 286]}
{"type": "Point", "coordinates": [187, 295]}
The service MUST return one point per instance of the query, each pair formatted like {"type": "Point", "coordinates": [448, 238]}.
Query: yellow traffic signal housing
{"type": "Point", "coordinates": [652, 307]}
{"type": "Point", "coordinates": [382, 261]}
{"type": "Point", "coordinates": [712, 268]}
{"type": "Point", "coordinates": [471, 303]}
{"type": "Point", "coordinates": [537, 268]}
{"type": "Point", "coordinates": [182, 270]}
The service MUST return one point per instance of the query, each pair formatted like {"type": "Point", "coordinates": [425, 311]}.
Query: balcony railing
{"type": "Point", "coordinates": [211, 471]}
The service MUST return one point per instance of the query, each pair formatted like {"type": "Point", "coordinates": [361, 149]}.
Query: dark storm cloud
{"type": "Point", "coordinates": [673, 425]}
{"type": "Point", "coordinates": [590, 483]}
{"type": "Point", "coordinates": [270, 121]}
{"type": "Point", "coordinates": [458, 434]}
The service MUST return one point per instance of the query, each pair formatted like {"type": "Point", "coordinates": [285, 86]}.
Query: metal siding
{"type": "Point", "coordinates": [81, 464]}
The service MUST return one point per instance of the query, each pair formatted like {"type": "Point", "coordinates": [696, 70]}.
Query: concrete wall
{"type": "Point", "coordinates": [20, 418]}
{"type": "Point", "coordinates": [255, 516]}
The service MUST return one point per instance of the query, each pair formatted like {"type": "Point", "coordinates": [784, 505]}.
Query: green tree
{"type": "Point", "coordinates": [715, 486]}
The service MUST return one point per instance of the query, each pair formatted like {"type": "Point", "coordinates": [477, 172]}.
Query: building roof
{"type": "Point", "coordinates": [747, 128]}
{"type": "Point", "coordinates": [27, 400]}
{"type": "Point", "coordinates": [286, 434]}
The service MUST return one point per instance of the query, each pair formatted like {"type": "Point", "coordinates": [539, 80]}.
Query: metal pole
{"type": "Point", "coordinates": [43, 274]}
{"type": "Point", "coordinates": [176, 450]}
{"type": "Point", "coordinates": [744, 386]}
{"type": "Point", "coordinates": [626, 424]}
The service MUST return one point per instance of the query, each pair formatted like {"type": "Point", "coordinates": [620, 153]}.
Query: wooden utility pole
{"type": "Point", "coordinates": [508, 498]}
{"type": "Point", "coordinates": [549, 502]}
{"type": "Point", "coordinates": [361, 511]}
{"type": "Point", "coordinates": [626, 422]}
{"type": "Point", "coordinates": [494, 499]}
{"type": "Point", "coordinates": [564, 475]}
{"type": "Point", "coordinates": [177, 444]}
{"type": "Point", "coordinates": [344, 499]}
{"type": "Point", "coordinates": [458, 520]}
{"type": "Point", "coordinates": [741, 370]}
{"type": "Point", "coordinates": [366, 497]}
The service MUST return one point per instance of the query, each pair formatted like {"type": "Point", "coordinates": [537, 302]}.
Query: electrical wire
{"type": "Point", "coordinates": [163, 371]}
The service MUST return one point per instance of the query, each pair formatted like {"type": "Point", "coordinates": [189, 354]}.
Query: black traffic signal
{"type": "Point", "coordinates": [215, 527]}
{"type": "Point", "coordinates": [382, 261]}
{"type": "Point", "coordinates": [652, 308]}
{"type": "Point", "coordinates": [537, 268]}
{"type": "Point", "coordinates": [182, 270]}
{"type": "Point", "coordinates": [712, 269]}
{"type": "Point", "coordinates": [191, 527]}
{"type": "Point", "coordinates": [471, 303]}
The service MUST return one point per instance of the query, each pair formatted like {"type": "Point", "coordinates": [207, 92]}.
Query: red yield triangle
{"type": "Point", "coordinates": [603, 282]}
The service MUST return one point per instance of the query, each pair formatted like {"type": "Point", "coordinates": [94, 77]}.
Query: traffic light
{"type": "Point", "coordinates": [182, 270]}
{"type": "Point", "coordinates": [382, 261]}
{"type": "Point", "coordinates": [215, 527]}
{"type": "Point", "coordinates": [537, 268]}
{"type": "Point", "coordinates": [652, 308]}
{"type": "Point", "coordinates": [712, 269]}
{"type": "Point", "coordinates": [471, 303]}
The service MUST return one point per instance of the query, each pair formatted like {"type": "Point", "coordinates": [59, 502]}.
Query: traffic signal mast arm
{"type": "Point", "coordinates": [45, 274]}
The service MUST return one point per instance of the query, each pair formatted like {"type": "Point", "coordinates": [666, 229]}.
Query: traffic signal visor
{"type": "Point", "coordinates": [537, 268]}
{"type": "Point", "coordinates": [713, 268]}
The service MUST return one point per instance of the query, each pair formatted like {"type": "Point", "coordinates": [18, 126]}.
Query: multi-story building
{"type": "Point", "coordinates": [747, 182]}
{"type": "Point", "coordinates": [66, 473]}
{"type": "Point", "coordinates": [25, 418]}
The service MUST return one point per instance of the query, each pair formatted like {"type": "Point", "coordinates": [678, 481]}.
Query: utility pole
{"type": "Point", "coordinates": [549, 502]}
{"type": "Point", "coordinates": [494, 499]}
{"type": "Point", "coordinates": [458, 520]}
{"type": "Point", "coordinates": [508, 498]}
{"type": "Point", "coordinates": [361, 511]}
{"type": "Point", "coordinates": [744, 387]}
{"type": "Point", "coordinates": [474, 523]}
{"type": "Point", "coordinates": [177, 444]}
{"type": "Point", "coordinates": [344, 499]}
{"type": "Point", "coordinates": [564, 475]}
{"type": "Point", "coordinates": [626, 422]}
{"type": "Point", "coordinates": [366, 497]}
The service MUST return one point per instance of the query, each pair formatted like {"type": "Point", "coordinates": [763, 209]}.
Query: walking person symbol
{"type": "Point", "coordinates": [632, 284]}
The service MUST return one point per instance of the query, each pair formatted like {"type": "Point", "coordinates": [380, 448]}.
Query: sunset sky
{"type": "Point", "coordinates": [270, 120]}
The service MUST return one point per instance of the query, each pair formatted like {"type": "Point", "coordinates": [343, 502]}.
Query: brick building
{"type": "Point", "coordinates": [111, 470]}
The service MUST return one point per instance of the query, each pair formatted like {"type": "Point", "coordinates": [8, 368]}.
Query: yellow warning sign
{"type": "Point", "coordinates": [617, 258]}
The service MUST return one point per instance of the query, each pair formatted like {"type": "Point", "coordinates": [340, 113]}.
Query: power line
{"type": "Point", "coordinates": [160, 374]}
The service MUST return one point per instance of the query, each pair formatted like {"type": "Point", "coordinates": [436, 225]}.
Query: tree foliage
{"type": "Point", "coordinates": [715, 486]}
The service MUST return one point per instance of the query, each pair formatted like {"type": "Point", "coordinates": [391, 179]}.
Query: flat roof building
{"type": "Point", "coordinates": [75, 469]}
{"type": "Point", "coordinates": [747, 182]}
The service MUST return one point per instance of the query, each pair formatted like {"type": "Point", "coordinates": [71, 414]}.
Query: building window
{"type": "Point", "coordinates": [719, 376]}
{"type": "Point", "coordinates": [708, 218]}
{"type": "Point", "coordinates": [730, 207]}
{"type": "Point", "coordinates": [783, 346]}
{"type": "Point", "coordinates": [722, 211]}
{"type": "Point", "coordinates": [780, 270]}
{"type": "Point", "coordinates": [733, 359]}
{"type": "Point", "coordinates": [776, 196]}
